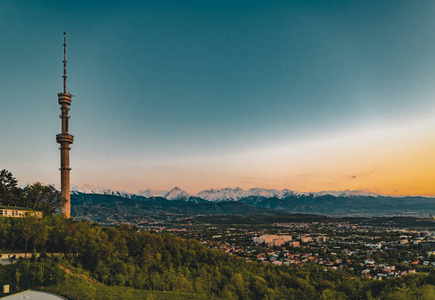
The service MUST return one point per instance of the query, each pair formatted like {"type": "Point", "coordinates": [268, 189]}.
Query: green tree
{"type": "Point", "coordinates": [43, 198]}
{"type": "Point", "coordinates": [29, 231]}
{"type": "Point", "coordinates": [41, 273]}
{"type": "Point", "coordinates": [259, 287]}
{"type": "Point", "coordinates": [5, 227]}
{"type": "Point", "coordinates": [9, 193]}
{"type": "Point", "coordinates": [329, 294]}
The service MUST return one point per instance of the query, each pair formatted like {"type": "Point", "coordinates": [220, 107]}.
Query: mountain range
{"type": "Point", "coordinates": [99, 203]}
{"type": "Point", "coordinates": [214, 195]}
{"type": "Point", "coordinates": [256, 201]}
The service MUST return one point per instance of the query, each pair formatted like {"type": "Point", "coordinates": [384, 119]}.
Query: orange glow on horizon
{"type": "Point", "coordinates": [398, 161]}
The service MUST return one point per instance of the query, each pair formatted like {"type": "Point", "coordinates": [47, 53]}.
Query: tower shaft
{"type": "Point", "coordinates": [64, 139]}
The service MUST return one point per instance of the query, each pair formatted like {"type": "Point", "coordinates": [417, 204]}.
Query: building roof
{"type": "Point", "coordinates": [34, 295]}
{"type": "Point", "coordinates": [15, 207]}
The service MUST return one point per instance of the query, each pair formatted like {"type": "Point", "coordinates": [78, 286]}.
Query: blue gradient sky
{"type": "Point", "coordinates": [305, 95]}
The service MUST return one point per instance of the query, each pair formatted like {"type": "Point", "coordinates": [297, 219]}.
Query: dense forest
{"type": "Point", "coordinates": [127, 257]}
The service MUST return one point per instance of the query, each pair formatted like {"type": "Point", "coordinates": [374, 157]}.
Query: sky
{"type": "Point", "coordinates": [304, 95]}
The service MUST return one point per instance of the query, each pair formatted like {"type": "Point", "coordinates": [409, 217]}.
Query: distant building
{"type": "Point", "coordinates": [417, 240]}
{"type": "Point", "coordinates": [18, 212]}
{"type": "Point", "coordinates": [295, 244]}
{"type": "Point", "coordinates": [374, 246]}
{"type": "Point", "coordinates": [272, 240]}
{"type": "Point", "coordinates": [306, 239]}
{"type": "Point", "coordinates": [320, 239]}
{"type": "Point", "coordinates": [389, 269]}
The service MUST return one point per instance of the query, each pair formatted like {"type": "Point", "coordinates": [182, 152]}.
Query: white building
{"type": "Point", "coordinates": [18, 212]}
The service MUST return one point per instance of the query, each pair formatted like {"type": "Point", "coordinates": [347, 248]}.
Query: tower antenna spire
{"type": "Point", "coordinates": [64, 63]}
{"type": "Point", "coordinates": [65, 140]}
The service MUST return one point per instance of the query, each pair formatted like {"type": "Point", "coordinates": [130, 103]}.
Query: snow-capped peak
{"type": "Point", "coordinates": [152, 193]}
{"type": "Point", "coordinates": [225, 194]}
{"type": "Point", "coordinates": [177, 194]}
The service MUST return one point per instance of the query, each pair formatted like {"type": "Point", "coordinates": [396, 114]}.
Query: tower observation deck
{"type": "Point", "coordinates": [64, 139]}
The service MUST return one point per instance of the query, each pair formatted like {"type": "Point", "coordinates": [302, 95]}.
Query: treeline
{"type": "Point", "coordinates": [125, 256]}
{"type": "Point", "coordinates": [35, 196]}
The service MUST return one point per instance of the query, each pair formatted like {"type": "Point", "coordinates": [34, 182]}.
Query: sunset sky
{"type": "Point", "coordinates": [304, 95]}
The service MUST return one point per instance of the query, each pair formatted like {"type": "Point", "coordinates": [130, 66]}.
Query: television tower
{"type": "Point", "coordinates": [64, 139]}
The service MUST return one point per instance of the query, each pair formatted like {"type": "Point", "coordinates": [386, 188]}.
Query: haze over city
{"type": "Point", "coordinates": [210, 94]}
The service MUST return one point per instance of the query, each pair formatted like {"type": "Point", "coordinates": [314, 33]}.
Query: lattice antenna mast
{"type": "Point", "coordinates": [64, 63]}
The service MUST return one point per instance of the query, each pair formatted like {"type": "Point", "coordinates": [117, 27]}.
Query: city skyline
{"type": "Point", "coordinates": [305, 96]}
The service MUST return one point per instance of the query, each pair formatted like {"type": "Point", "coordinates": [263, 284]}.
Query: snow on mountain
{"type": "Point", "coordinates": [347, 193]}
{"type": "Point", "coordinates": [287, 192]}
{"type": "Point", "coordinates": [152, 193]}
{"type": "Point", "coordinates": [213, 195]}
{"type": "Point", "coordinates": [85, 189]}
{"type": "Point", "coordinates": [226, 194]}
{"type": "Point", "coordinates": [267, 193]}
{"type": "Point", "coordinates": [177, 194]}
{"type": "Point", "coordinates": [88, 189]}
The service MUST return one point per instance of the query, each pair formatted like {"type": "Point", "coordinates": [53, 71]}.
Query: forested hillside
{"type": "Point", "coordinates": [126, 257]}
